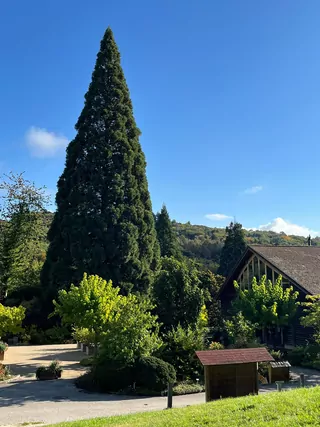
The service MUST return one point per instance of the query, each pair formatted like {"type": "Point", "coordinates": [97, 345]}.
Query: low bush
{"type": "Point", "coordinates": [83, 335]}
{"type": "Point", "coordinates": [58, 335]}
{"type": "Point", "coordinates": [187, 387]}
{"type": "Point", "coordinates": [87, 361]}
{"type": "Point", "coordinates": [36, 336]}
{"type": "Point", "coordinates": [86, 382]}
{"type": "Point", "coordinates": [277, 355]}
{"type": "Point", "coordinates": [153, 373]}
{"type": "Point", "coordinates": [111, 376]}
{"type": "Point", "coordinates": [304, 356]}
{"type": "Point", "coordinates": [216, 346]}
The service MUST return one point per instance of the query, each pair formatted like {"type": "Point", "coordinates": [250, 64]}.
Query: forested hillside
{"type": "Point", "coordinates": [204, 244]}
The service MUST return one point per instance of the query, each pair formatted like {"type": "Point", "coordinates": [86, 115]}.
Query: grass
{"type": "Point", "coordinates": [291, 408]}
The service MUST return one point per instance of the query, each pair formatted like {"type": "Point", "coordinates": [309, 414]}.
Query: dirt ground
{"type": "Point", "coordinates": [24, 360]}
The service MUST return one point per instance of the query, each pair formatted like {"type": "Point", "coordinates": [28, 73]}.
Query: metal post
{"type": "Point", "coordinates": [279, 385]}
{"type": "Point", "coordinates": [170, 391]}
{"type": "Point", "coordinates": [302, 380]}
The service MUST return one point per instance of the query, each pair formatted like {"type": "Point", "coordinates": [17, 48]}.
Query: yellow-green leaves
{"type": "Point", "coordinates": [312, 317]}
{"type": "Point", "coordinates": [11, 319]}
{"type": "Point", "coordinates": [266, 303]}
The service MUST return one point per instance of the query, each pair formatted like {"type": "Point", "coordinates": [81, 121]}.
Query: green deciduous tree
{"type": "Point", "coordinates": [234, 247]}
{"type": "Point", "coordinates": [177, 293]}
{"type": "Point", "coordinates": [23, 230]}
{"type": "Point", "coordinates": [92, 305]}
{"type": "Point", "coordinates": [312, 315]}
{"type": "Point", "coordinates": [133, 333]}
{"type": "Point", "coordinates": [104, 222]}
{"type": "Point", "coordinates": [241, 332]}
{"type": "Point", "coordinates": [11, 319]}
{"type": "Point", "coordinates": [123, 325]}
{"type": "Point", "coordinates": [166, 235]}
{"type": "Point", "coordinates": [181, 343]}
{"type": "Point", "coordinates": [267, 304]}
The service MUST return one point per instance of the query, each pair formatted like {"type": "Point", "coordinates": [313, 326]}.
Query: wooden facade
{"type": "Point", "coordinates": [230, 380]}
{"type": "Point", "coordinates": [257, 262]}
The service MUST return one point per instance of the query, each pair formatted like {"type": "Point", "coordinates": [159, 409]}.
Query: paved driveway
{"type": "Point", "coordinates": [24, 360]}
{"type": "Point", "coordinates": [25, 400]}
{"type": "Point", "coordinates": [31, 401]}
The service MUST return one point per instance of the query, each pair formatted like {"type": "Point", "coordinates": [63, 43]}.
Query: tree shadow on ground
{"type": "Point", "coordinates": [27, 369]}
{"type": "Point", "coordinates": [21, 392]}
{"type": "Point", "coordinates": [63, 356]}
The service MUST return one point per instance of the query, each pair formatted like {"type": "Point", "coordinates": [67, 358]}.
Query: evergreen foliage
{"type": "Point", "coordinates": [177, 293]}
{"type": "Point", "coordinates": [166, 235]}
{"type": "Point", "coordinates": [234, 247]}
{"type": "Point", "coordinates": [104, 222]}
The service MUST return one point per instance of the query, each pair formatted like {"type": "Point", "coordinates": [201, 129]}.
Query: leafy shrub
{"type": "Point", "coordinates": [3, 346]}
{"type": "Point", "coordinates": [241, 332]}
{"type": "Point", "coordinates": [153, 373]}
{"type": "Point", "coordinates": [111, 376]}
{"type": "Point", "coordinates": [277, 355]}
{"type": "Point", "coordinates": [216, 346]}
{"type": "Point", "coordinates": [86, 382]}
{"type": "Point", "coordinates": [187, 387]}
{"type": "Point", "coordinates": [87, 361]}
{"type": "Point", "coordinates": [312, 352]}
{"type": "Point", "coordinates": [37, 336]}
{"type": "Point", "coordinates": [304, 356]}
{"type": "Point", "coordinates": [179, 350]}
{"type": "Point", "coordinates": [83, 335]}
{"type": "Point", "coordinates": [57, 334]}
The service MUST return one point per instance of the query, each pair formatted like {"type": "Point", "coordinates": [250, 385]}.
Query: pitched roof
{"type": "Point", "coordinates": [234, 356]}
{"type": "Point", "coordinates": [299, 263]}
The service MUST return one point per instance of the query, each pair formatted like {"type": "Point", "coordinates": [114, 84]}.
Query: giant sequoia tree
{"type": "Point", "coordinates": [104, 223]}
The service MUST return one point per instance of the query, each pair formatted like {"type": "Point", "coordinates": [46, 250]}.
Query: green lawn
{"type": "Point", "coordinates": [292, 408]}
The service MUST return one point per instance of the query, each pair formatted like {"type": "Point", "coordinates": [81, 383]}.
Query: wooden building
{"type": "Point", "coordinates": [232, 373]}
{"type": "Point", "coordinates": [299, 267]}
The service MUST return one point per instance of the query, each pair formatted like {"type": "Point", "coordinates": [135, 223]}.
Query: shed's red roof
{"type": "Point", "coordinates": [234, 356]}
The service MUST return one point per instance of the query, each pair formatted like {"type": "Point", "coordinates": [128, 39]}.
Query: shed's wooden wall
{"type": "Point", "coordinates": [231, 380]}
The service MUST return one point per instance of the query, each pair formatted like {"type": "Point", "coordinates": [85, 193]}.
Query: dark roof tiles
{"type": "Point", "coordinates": [234, 356]}
{"type": "Point", "coordinates": [300, 263]}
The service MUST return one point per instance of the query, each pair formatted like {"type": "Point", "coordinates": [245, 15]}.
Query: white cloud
{"type": "Point", "coordinates": [253, 190]}
{"type": "Point", "coordinates": [280, 224]}
{"type": "Point", "coordinates": [217, 217]}
{"type": "Point", "coordinates": [43, 143]}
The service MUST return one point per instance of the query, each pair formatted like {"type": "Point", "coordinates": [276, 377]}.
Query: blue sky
{"type": "Point", "coordinates": [226, 95]}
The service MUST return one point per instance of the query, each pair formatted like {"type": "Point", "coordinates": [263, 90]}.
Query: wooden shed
{"type": "Point", "coordinates": [279, 371]}
{"type": "Point", "coordinates": [232, 373]}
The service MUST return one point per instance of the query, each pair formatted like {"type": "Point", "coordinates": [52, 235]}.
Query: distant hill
{"type": "Point", "coordinates": [204, 244]}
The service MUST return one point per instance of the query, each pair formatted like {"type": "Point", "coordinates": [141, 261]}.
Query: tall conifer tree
{"type": "Point", "coordinates": [104, 223]}
{"type": "Point", "coordinates": [166, 235]}
{"type": "Point", "coordinates": [234, 247]}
